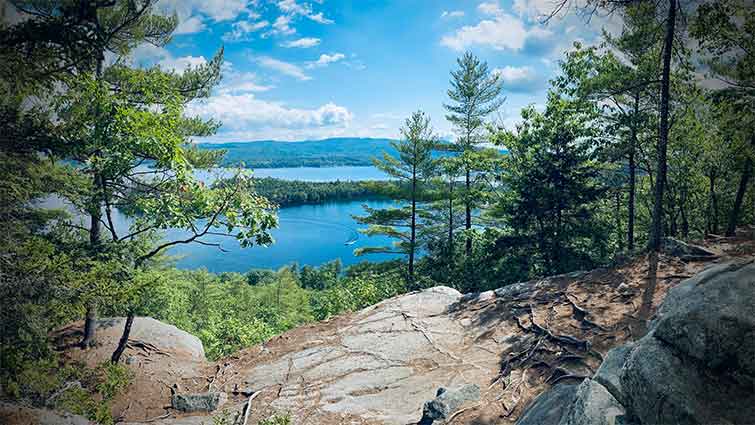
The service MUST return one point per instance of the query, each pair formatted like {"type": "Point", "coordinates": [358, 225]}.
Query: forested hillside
{"type": "Point", "coordinates": [314, 153]}
{"type": "Point", "coordinates": [647, 135]}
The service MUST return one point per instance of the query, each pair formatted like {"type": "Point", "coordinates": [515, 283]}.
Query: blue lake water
{"type": "Point", "coordinates": [307, 234]}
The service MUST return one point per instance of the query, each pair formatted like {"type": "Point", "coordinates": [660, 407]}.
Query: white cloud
{"type": "Point", "coordinates": [180, 64]}
{"type": "Point", "coordinates": [217, 10]}
{"type": "Point", "coordinates": [303, 43]}
{"type": "Point", "coordinates": [319, 18]}
{"type": "Point", "coordinates": [535, 9]}
{"type": "Point", "coordinates": [292, 8]}
{"type": "Point", "coordinates": [246, 117]}
{"type": "Point", "coordinates": [284, 68]}
{"type": "Point", "coordinates": [148, 55]}
{"type": "Point", "coordinates": [490, 8]}
{"type": "Point", "coordinates": [191, 25]}
{"type": "Point", "coordinates": [236, 82]}
{"type": "Point", "coordinates": [518, 78]}
{"type": "Point", "coordinates": [452, 14]}
{"type": "Point", "coordinates": [282, 25]}
{"type": "Point", "coordinates": [503, 32]}
{"type": "Point", "coordinates": [242, 29]}
{"type": "Point", "coordinates": [326, 59]}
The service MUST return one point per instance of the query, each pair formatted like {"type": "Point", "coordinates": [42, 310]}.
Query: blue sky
{"type": "Point", "coordinates": [304, 70]}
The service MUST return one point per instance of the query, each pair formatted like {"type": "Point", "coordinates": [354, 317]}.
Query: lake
{"type": "Point", "coordinates": [307, 234]}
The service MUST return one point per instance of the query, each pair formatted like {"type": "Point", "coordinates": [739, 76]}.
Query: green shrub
{"type": "Point", "coordinates": [276, 420]}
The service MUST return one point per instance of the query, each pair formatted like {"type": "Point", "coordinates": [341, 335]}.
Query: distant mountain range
{"type": "Point", "coordinates": [346, 151]}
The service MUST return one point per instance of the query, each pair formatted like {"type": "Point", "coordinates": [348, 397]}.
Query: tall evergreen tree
{"type": "Point", "coordinates": [125, 132]}
{"type": "Point", "coordinates": [475, 93]}
{"type": "Point", "coordinates": [412, 170]}
{"type": "Point", "coordinates": [553, 183]}
{"type": "Point", "coordinates": [725, 32]}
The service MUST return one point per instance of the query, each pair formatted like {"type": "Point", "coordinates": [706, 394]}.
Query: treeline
{"type": "Point", "coordinates": [286, 193]}
{"type": "Point", "coordinates": [625, 151]}
{"type": "Point", "coordinates": [343, 151]}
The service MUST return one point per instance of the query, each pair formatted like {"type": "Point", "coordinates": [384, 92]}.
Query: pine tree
{"type": "Point", "coordinates": [475, 93]}
{"type": "Point", "coordinates": [411, 171]}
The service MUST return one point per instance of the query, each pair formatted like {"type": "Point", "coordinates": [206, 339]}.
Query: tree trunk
{"type": "Point", "coordinates": [450, 220]}
{"type": "Point", "coordinates": [90, 323]}
{"type": "Point", "coordinates": [468, 222]}
{"type": "Point", "coordinates": [663, 130]}
{"type": "Point", "coordinates": [123, 342]}
{"type": "Point", "coordinates": [90, 338]}
{"type": "Point", "coordinates": [632, 176]}
{"type": "Point", "coordinates": [413, 236]}
{"type": "Point", "coordinates": [660, 180]}
{"type": "Point", "coordinates": [731, 227]}
{"type": "Point", "coordinates": [712, 204]}
{"type": "Point", "coordinates": [620, 237]}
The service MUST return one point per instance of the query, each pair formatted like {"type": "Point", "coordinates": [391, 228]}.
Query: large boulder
{"type": "Point", "coordinates": [550, 406]}
{"type": "Point", "coordinates": [447, 402]}
{"type": "Point", "coordinates": [200, 402]}
{"type": "Point", "coordinates": [593, 405]}
{"type": "Point", "coordinates": [686, 251]}
{"type": "Point", "coordinates": [696, 365]}
{"type": "Point", "coordinates": [22, 415]}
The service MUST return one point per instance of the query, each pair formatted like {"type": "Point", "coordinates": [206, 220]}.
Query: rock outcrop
{"type": "Point", "coordinates": [696, 364]}
{"type": "Point", "coordinates": [447, 403]}
{"type": "Point", "coordinates": [22, 415]}
{"type": "Point", "coordinates": [382, 364]}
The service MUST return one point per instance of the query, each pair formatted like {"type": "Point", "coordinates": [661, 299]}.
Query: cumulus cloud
{"type": "Point", "coordinates": [320, 18]}
{"type": "Point", "coordinates": [282, 25]}
{"type": "Point", "coordinates": [285, 68]}
{"type": "Point", "coordinates": [501, 31]}
{"type": "Point", "coordinates": [237, 82]}
{"type": "Point", "coordinates": [303, 43]}
{"type": "Point", "coordinates": [490, 8]}
{"type": "Point", "coordinates": [242, 30]}
{"type": "Point", "coordinates": [246, 117]}
{"type": "Point", "coordinates": [518, 79]}
{"type": "Point", "coordinates": [326, 59]}
{"type": "Point", "coordinates": [191, 25]}
{"type": "Point", "coordinates": [535, 9]}
{"type": "Point", "coordinates": [292, 8]}
{"type": "Point", "coordinates": [181, 63]}
{"type": "Point", "coordinates": [217, 10]}
{"type": "Point", "coordinates": [452, 14]}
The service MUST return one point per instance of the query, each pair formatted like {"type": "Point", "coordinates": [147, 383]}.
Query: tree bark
{"type": "Point", "coordinates": [618, 221]}
{"type": "Point", "coordinates": [660, 180]}
{"type": "Point", "coordinates": [468, 207]}
{"type": "Point", "coordinates": [712, 204]}
{"type": "Point", "coordinates": [90, 323]}
{"type": "Point", "coordinates": [90, 338]}
{"type": "Point", "coordinates": [663, 130]}
{"type": "Point", "coordinates": [632, 175]}
{"type": "Point", "coordinates": [731, 227]}
{"type": "Point", "coordinates": [413, 236]}
{"type": "Point", "coordinates": [123, 342]}
{"type": "Point", "coordinates": [450, 221]}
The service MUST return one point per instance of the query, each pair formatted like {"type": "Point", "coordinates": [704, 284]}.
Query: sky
{"type": "Point", "coordinates": [308, 70]}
